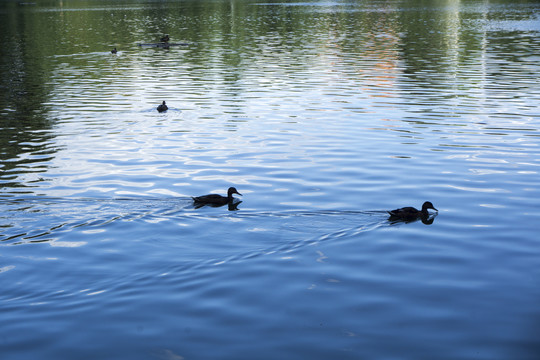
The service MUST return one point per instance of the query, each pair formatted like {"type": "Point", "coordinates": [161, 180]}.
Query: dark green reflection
{"type": "Point", "coordinates": [25, 137]}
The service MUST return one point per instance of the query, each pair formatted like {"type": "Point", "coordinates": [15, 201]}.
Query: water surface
{"type": "Point", "coordinates": [323, 115]}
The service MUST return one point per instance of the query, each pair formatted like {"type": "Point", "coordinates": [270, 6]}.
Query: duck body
{"type": "Point", "coordinates": [215, 199]}
{"type": "Point", "coordinates": [409, 213]}
{"type": "Point", "coordinates": [162, 107]}
{"type": "Point", "coordinates": [165, 38]}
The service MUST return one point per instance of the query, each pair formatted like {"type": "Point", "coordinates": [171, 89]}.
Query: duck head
{"type": "Point", "coordinates": [231, 191]}
{"type": "Point", "coordinates": [428, 205]}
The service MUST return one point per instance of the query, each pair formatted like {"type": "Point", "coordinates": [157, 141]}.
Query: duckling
{"type": "Point", "coordinates": [165, 38]}
{"type": "Point", "coordinates": [114, 51]}
{"type": "Point", "coordinates": [162, 107]}
{"type": "Point", "coordinates": [409, 213]}
{"type": "Point", "coordinates": [215, 199]}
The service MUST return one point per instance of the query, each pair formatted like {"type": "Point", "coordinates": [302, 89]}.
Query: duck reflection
{"type": "Point", "coordinates": [232, 206]}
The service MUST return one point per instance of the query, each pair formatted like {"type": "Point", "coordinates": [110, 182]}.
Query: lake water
{"type": "Point", "coordinates": [323, 114]}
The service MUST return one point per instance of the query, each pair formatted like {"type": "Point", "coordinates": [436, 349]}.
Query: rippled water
{"type": "Point", "coordinates": [323, 115]}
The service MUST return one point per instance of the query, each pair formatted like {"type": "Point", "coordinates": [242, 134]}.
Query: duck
{"type": "Point", "coordinates": [162, 107]}
{"type": "Point", "coordinates": [165, 38]}
{"type": "Point", "coordinates": [215, 199]}
{"type": "Point", "coordinates": [409, 213]}
{"type": "Point", "coordinates": [114, 51]}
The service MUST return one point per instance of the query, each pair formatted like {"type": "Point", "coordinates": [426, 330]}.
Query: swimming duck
{"type": "Point", "coordinates": [162, 107]}
{"type": "Point", "coordinates": [410, 214]}
{"type": "Point", "coordinates": [215, 199]}
{"type": "Point", "coordinates": [114, 51]}
{"type": "Point", "coordinates": [165, 38]}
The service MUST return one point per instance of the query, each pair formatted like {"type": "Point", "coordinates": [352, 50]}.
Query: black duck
{"type": "Point", "coordinates": [409, 213]}
{"type": "Point", "coordinates": [162, 107]}
{"type": "Point", "coordinates": [215, 199]}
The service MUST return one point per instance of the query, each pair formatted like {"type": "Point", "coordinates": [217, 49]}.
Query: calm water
{"type": "Point", "coordinates": [323, 114]}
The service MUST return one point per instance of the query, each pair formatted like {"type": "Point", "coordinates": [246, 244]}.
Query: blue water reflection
{"type": "Point", "coordinates": [323, 115]}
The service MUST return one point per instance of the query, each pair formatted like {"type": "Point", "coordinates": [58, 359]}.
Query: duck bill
{"type": "Point", "coordinates": [238, 193]}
